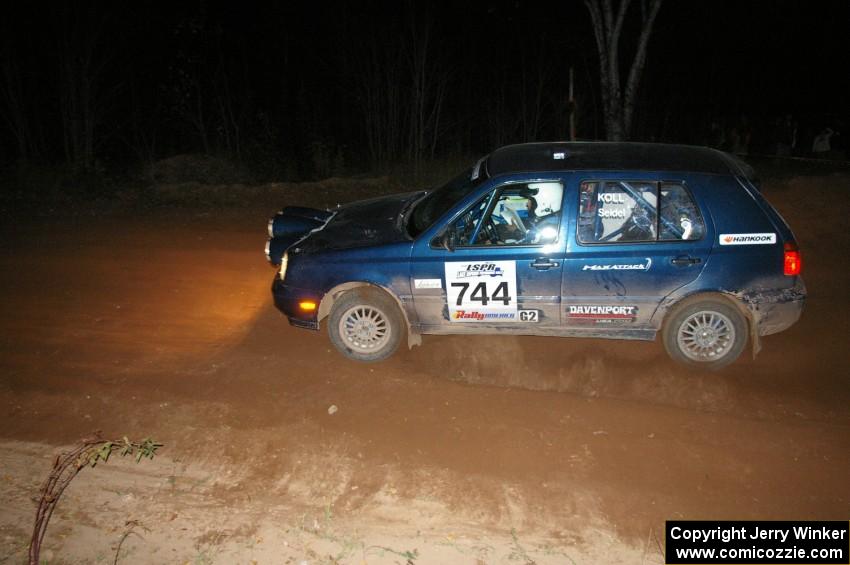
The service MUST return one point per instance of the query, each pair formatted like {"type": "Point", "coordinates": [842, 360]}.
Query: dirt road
{"type": "Point", "coordinates": [464, 450]}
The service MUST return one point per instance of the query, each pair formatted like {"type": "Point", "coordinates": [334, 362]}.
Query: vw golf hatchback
{"type": "Point", "coordinates": [603, 240]}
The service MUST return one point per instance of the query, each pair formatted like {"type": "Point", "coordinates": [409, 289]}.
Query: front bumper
{"type": "Point", "coordinates": [286, 299]}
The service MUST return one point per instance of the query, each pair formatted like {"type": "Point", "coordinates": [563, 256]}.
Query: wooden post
{"type": "Point", "coordinates": [572, 109]}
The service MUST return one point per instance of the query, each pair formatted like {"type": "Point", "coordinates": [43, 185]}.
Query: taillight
{"type": "Point", "coordinates": [793, 260]}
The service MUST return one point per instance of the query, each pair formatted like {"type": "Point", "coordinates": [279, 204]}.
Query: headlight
{"type": "Point", "coordinates": [283, 262]}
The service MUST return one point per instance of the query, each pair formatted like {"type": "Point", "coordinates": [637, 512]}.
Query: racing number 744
{"type": "Point", "coordinates": [479, 293]}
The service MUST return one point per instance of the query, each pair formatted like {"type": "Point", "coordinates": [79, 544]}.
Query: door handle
{"type": "Point", "coordinates": [544, 264]}
{"type": "Point", "coordinates": [684, 261]}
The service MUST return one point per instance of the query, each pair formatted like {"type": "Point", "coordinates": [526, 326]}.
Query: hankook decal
{"type": "Point", "coordinates": [747, 238]}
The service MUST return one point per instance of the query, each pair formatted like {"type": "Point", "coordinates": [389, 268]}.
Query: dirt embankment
{"type": "Point", "coordinates": [464, 449]}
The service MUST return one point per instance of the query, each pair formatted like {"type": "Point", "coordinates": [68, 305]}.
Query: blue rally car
{"type": "Point", "coordinates": [604, 240]}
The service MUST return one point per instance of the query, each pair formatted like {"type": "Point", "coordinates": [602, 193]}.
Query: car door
{"type": "Point", "coordinates": [634, 239]}
{"type": "Point", "coordinates": [494, 264]}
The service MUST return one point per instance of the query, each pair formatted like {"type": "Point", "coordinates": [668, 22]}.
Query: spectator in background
{"type": "Point", "coordinates": [822, 144]}
{"type": "Point", "coordinates": [786, 136]}
{"type": "Point", "coordinates": [716, 135]}
{"type": "Point", "coordinates": [741, 145]}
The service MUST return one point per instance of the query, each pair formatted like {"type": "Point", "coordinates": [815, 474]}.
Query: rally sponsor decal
{"type": "Point", "coordinates": [747, 238]}
{"type": "Point", "coordinates": [427, 283]}
{"type": "Point", "coordinates": [481, 291]}
{"type": "Point", "coordinates": [601, 313]}
{"type": "Point", "coordinates": [634, 266]}
{"type": "Point", "coordinates": [475, 316]}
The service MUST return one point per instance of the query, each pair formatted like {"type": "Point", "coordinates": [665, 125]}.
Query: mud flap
{"type": "Point", "coordinates": [754, 336]}
{"type": "Point", "coordinates": [413, 338]}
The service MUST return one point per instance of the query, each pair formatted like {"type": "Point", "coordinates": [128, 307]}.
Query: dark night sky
{"type": "Point", "coordinates": [292, 73]}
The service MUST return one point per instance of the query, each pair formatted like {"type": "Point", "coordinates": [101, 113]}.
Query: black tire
{"type": "Point", "coordinates": [708, 333]}
{"type": "Point", "coordinates": [366, 325]}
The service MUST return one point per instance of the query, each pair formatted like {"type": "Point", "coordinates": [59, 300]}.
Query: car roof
{"type": "Point", "coordinates": [605, 155]}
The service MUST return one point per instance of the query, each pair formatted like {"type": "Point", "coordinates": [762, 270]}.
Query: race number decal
{"type": "Point", "coordinates": [528, 316]}
{"type": "Point", "coordinates": [482, 291]}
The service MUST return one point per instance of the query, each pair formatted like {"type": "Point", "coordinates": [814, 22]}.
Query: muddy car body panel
{"type": "Point", "coordinates": [565, 239]}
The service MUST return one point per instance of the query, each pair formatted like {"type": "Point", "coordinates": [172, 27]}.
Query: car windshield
{"type": "Point", "coordinates": [436, 203]}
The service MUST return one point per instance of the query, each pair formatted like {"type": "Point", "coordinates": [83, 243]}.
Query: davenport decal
{"type": "Point", "coordinates": [602, 314]}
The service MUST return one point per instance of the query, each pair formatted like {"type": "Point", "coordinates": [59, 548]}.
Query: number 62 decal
{"type": "Point", "coordinates": [529, 316]}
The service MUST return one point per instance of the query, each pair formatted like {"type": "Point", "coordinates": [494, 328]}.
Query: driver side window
{"type": "Point", "coordinates": [516, 214]}
{"type": "Point", "coordinates": [468, 224]}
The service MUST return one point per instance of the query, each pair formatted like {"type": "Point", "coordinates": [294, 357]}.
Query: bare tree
{"type": "Point", "coordinates": [618, 104]}
{"type": "Point", "coordinates": [377, 71]}
{"type": "Point", "coordinates": [500, 123]}
{"type": "Point", "coordinates": [141, 131]}
{"type": "Point", "coordinates": [532, 88]}
{"type": "Point", "coordinates": [230, 119]}
{"type": "Point", "coordinates": [428, 81]}
{"type": "Point", "coordinates": [189, 96]}
{"type": "Point", "coordinates": [401, 82]}
{"type": "Point", "coordinates": [15, 110]}
{"type": "Point", "coordinates": [82, 100]}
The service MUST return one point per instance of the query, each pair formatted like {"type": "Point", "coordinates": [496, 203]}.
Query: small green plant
{"type": "Point", "coordinates": [410, 556]}
{"type": "Point", "coordinates": [518, 552]}
{"type": "Point", "coordinates": [130, 526]}
{"type": "Point", "coordinates": [88, 453]}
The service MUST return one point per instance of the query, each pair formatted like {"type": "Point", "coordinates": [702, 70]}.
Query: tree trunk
{"type": "Point", "coordinates": [81, 103]}
{"type": "Point", "coordinates": [14, 110]}
{"type": "Point", "coordinates": [617, 104]}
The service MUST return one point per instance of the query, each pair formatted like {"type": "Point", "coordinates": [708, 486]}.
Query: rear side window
{"type": "Point", "coordinates": [637, 211]}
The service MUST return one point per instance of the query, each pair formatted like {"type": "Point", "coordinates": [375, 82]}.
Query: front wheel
{"type": "Point", "coordinates": [365, 325]}
{"type": "Point", "coordinates": [708, 333]}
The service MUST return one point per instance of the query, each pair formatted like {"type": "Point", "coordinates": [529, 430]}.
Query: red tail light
{"type": "Point", "coordinates": [793, 260]}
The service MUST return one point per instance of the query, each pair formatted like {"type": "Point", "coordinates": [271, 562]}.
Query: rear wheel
{"type": "Point", "coordinates": [365, 325]}
{"type": "Point", "coordinates": [708, 333]}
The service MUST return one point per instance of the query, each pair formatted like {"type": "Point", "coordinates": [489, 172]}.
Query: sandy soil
{"type": "Point", "coordinates": [464, 450]}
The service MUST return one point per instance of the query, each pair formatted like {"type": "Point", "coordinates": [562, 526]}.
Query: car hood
{"type": "Point", "coordinates": [363, 224]}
